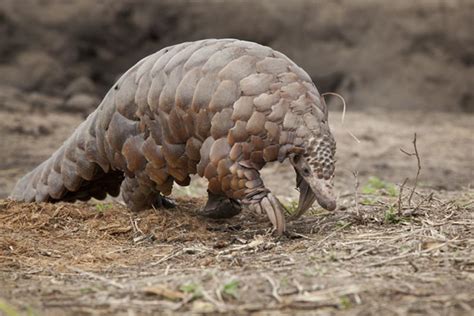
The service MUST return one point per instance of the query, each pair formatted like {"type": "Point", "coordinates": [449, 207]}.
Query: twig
{"type": "Point", "coordinates": [411, 254]}
{"type": "Point", "coordinates": [220, 306]}
{"type": "Point", "coordinates": [400, 197]}
{"type": "Point", "coordinates": [298, 286]}
{"type": "Point", "coordinates": [135, 227]}
{"type": "Point", "coordinates": [418, 159]}
{"type": "Point", "coordinates": [167, 269]}
{"type": "Point", "coordinates": [275, 288]}
{"type": "Point", "coordinates": [389, 241]}
{"type": "Point", "coordinates": [291, 234]}
{"type": "Point", "coordinates": [97, 277]}
{"type": "Point", "coordinates": [166, 258]}
{"type": "Point", "coordinates": [418, 170]}
{"type": "Point", "coordinates": [356, 191]}
{"type": "Point", "coordinates": [332, 234]}
{"type": "Point", "coordinates": [425, 199]}
{"type": "Point", "coordinates": [330, 293]}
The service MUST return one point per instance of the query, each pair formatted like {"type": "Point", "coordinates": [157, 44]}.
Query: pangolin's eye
{"type": "Point", "coordinates": [306, 171]}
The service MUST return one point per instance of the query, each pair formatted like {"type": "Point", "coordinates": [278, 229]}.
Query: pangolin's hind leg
{"type": "Point", "coordinates": [140, 196]}
{"type": "Point", "coordinates": [219, 206]}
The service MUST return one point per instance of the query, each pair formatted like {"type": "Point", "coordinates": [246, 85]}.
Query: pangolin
{"type": "Point", "coordinates": [221, 108]}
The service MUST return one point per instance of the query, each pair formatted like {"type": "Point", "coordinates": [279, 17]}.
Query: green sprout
{"type": "Point", "coordinates": [391, 216]}
{"type": "Point", "coordinates": [374, 185]}
{"type": "Point", "coordinates": [191, 288]}
{"type": "Point", "coordinates": [344, 302]}
{"type": "Point", "coordinates": [291, 207]}
{"type": "Point", "coordinates": [231, 289]}
{"type": "Point", "coordinates": [101, 207]}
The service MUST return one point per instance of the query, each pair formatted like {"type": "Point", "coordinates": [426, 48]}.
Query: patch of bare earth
{"type": "Point", "coordinates": [377, 255]}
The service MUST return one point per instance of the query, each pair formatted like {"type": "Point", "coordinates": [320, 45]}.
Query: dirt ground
{"type": "Point", "coordinates": [92, 260]}
{"type": "Point", "coordinates": [365, 258]}
{"type": "Point", "coordinates": [404, 68]}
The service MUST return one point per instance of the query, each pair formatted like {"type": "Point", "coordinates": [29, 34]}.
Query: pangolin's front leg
{"type": "Point", "coordinates": [251, 191]}
{"type": "Point", "coordinates": [220, 206]}
{"type": "Point", "coordinates": [240, 180]}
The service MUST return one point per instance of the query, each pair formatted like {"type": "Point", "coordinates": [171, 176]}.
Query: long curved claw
{"type": "Point", "coordinates": [255, 208]}
{"type": "Point", "coordinates": [274, 210]}
{"type": "Point", "coordinates": [306, 200]}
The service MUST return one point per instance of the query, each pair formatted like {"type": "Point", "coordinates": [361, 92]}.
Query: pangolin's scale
{"type": "Point", "coordinates": [219, 108]}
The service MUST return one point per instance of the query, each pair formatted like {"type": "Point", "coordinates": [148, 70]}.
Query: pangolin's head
{"type": "Point", "coordinates": [316, 164]}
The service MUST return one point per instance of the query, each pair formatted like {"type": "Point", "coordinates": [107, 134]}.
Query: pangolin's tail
{"type": "Point", "coordinates": [77, 170]}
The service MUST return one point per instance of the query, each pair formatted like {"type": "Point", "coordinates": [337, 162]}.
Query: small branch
{"type": "Point", "coordinates": [418, 159]}
{"type": "Point", "coordinates": [275, 288]}
{"type": "Point", "coordinates": [97, 277]}
{"type": "Point", "coordinates": [298, 286]}
{"type": "Point", "coordinates": [221, 307]}
{"type": "Point", "coordinates": [167, 257]}
{"type": "Point", "coordinates": [425, 199]}
{"type": "Point", "coordinates": [356, 191]}
{"type": "Point", "coordinates": [418, 171]}
{"type": "Point", "coordinates": [407, 255]}
{"type": "Point", "coordinates": [400, 197]}
{"type": "Point", "coordinates": [332, 234]}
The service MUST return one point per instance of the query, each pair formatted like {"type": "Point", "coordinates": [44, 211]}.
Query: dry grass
{"type": "Point", "coordinates": [84, 258]}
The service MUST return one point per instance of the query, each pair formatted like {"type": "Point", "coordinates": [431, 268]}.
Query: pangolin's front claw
{"type": "Point", "coordinates": [274, 210]}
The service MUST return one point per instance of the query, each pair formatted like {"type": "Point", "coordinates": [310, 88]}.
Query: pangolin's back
{"type": "Point", "coordinates": [192, 107]}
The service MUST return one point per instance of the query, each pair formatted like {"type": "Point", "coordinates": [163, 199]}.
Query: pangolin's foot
{"type": "Point", "coordinates": [139, 196]}
{"type": "Point", "coordinates": [163, 201]}
{"type": "Point", "coordinates": [218, 207]}
{"type": "Point", "coordinates": [274, 210]}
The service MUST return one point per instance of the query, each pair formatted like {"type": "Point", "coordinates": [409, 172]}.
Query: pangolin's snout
{"type": "Point", "coordinates": [313, 188]}
{"type": "Point", "coordinates": [323, 191]}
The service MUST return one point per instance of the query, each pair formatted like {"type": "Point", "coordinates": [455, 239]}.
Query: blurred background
{"type": "Point", "coordinates": [402, 66]}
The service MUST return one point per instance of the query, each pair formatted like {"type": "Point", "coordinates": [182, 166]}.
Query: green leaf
{"type": "Point", "coordinates": [375, 184]}
{"type": "Point", "coordinates": [291, 207]}
{"type": "Point", "coordinates": [392, 190]}
{"type": "Point", "coordinates": [367, 201]}
{"type": "Point", "coordinates": [191, 288]}
{"type": "Point", "coordinates": [101, 207]}
{"type": "Point", "coordinates": [231, 288]}
{"type": "Point", "coordinates": [391, 216]}
{"type": "Point", "coordinates": [344, 302]}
